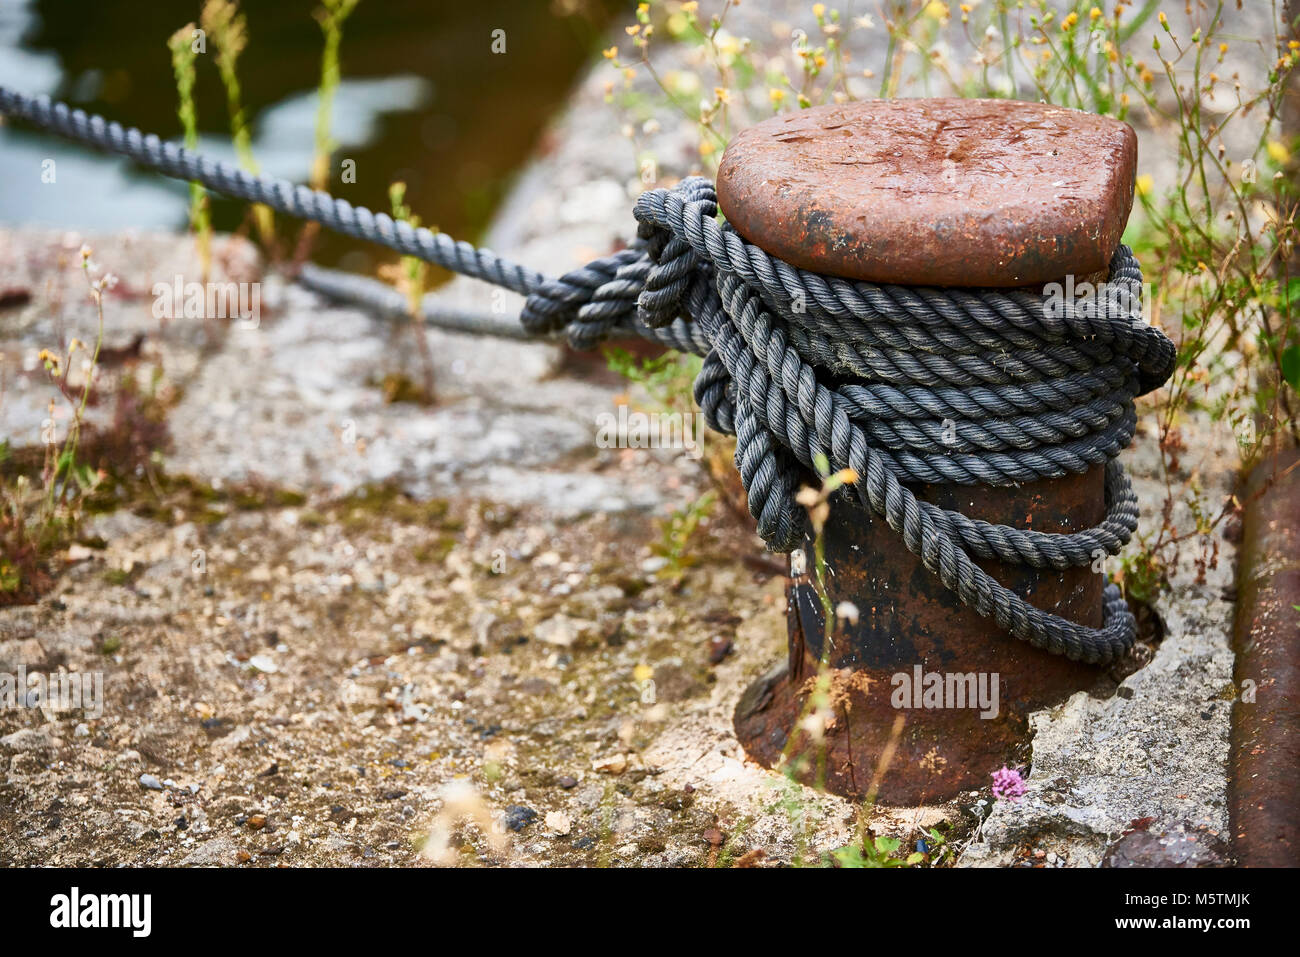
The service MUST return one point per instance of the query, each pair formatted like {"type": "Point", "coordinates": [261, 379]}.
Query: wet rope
{"type": "Point", "coordinates": [902, 384]}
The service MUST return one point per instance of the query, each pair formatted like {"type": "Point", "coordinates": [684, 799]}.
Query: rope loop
{"type": "Point", "coordinates": [908, 385]}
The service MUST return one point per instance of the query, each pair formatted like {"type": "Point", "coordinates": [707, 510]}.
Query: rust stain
{"type": "Point", "coordinates": [908, 618]}
{"type": "Point", "coordinates": [1264, 805]}
{"type": "Point", "coordinates": [941, 192]}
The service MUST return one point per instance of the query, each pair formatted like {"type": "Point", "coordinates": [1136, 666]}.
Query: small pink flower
{"type": "Point", "coordinates": [1008, 785]}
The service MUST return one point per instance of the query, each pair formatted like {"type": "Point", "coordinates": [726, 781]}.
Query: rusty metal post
{"type": "Point", "coordinates": [929, 192]}
{"type": "Point", "coordinates": [1264, 808]}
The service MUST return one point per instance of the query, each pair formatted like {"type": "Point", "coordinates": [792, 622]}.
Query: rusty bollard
{"type": "Point", "coordinates": [939, 192]}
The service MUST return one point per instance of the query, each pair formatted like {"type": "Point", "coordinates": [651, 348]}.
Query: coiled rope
{"type": "Point", "coordinates": [902, 384]}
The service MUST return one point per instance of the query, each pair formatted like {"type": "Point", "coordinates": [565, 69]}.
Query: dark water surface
{"type": "Point", "coordinates": [423, 99]}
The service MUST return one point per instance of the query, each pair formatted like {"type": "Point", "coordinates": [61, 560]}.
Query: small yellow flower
{"type": "Point", "coordinates": [690, 6]}
{"type": "Point", "coordinates": [1278, 153]}
{"type": "Point", "coordinates": [642, 672]}
{"type": "Point", "coordinates": [819, 10]}
{"type": "Point", "coordinates": [1144, 184]}
{"type": "Point", "coordinates": [707, 148]}
{"type": "Point", "coordinates": [1094, 14]}
{"type": "Point", "coordinates": [633, 30]}
{"type": "Point", "coordinates": [1068, 23]}
{"type": "Point", "coordinates": [611, 53]}
{"type": "Point", "coordinates": [723, 94]}
{"type": "Point", "coordinates": [776, 95]}
{"type": "Point", "coordinates": [936, 10]}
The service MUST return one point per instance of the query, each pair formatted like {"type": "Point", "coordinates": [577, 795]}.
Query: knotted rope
{"type": "Point", "coordinates": [902, 384]}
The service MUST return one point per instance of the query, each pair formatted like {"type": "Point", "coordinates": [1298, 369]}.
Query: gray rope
{"type": "Point", "coordinates": [902, 384]}
{"type": "Point", "coordinates": [383, 300]}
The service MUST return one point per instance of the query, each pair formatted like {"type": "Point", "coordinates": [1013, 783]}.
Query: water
{"type": "Point", "coordinates": [423, 99]}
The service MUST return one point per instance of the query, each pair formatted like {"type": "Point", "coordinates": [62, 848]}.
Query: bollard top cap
{"type": "Point", "coordinates": [934, 192]}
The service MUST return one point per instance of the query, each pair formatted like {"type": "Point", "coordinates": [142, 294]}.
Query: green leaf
{"type": "Point", "coordinates": [1291, 365]}
{"type": "Point", "coordinates": [849, 857]}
